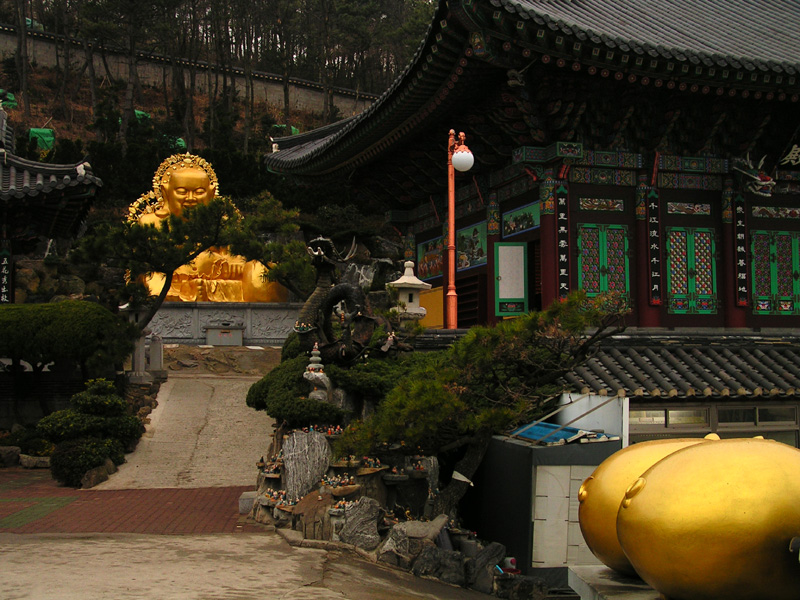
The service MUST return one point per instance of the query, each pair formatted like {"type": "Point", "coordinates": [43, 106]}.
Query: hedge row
{"type": "Point", "coordinates": [71, 331]}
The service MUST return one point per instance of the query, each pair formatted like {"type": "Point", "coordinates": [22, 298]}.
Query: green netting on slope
{"type": "Point", "coordinates": [9, 100]}
{"type": "Point", "coordinates": [45, 138]}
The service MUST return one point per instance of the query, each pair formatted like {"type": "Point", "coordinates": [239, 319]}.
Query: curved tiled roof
{"type": "Point", "coordinates": [50, 200]}
{"type": "Point", "coordinates": [20, 177]}
{"type": "Point", "coordinates": [753, 34]}
{"type": "Point", "coordinates": [735, 43]}
{"type": "Point", "coordinates": [688, 366]}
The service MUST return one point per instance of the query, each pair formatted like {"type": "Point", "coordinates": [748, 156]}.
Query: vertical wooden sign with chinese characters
{"type": "Point", "coordinates": [6, 277]}
{"type": "Point", "coordinates": [562, 238]}
{"type": "Point", "coordinates": [740, 234]}
{"type": "Point", "coordinates": [654, 246]}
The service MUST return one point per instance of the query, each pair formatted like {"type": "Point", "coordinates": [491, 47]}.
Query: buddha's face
{"type": "Point", "coordinates": [187, 188]}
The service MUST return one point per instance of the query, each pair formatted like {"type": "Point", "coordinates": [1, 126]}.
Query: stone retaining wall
{"type": "Point", "coordinates": [154, 70]}
{"type": "Point", "coordinates": [261, 324]}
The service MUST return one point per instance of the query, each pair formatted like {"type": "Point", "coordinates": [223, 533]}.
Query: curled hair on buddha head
{"type": "Point", "coordinates": [182, 161]}
{"type": "Point", "coordinates": [153, 201]}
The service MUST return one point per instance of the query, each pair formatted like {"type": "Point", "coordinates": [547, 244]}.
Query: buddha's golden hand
{"type": "Point", "coordinates": [217, 265]}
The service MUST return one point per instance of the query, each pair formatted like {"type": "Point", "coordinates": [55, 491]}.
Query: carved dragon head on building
{"type": "Point", "coordinates": [753, 178]}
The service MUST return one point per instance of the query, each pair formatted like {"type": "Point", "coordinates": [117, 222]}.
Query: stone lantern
{"type": "Point", "coordinates": [408, 289]}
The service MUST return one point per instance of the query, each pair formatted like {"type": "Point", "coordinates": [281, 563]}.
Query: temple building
{"type": "Point", "coordinates": [643, 148]}
{"type": "Point", "coordinates": [37, 201]}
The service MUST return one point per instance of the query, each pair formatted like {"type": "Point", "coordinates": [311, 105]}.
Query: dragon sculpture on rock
{"type": "Point", "coordinates": [343, 301]}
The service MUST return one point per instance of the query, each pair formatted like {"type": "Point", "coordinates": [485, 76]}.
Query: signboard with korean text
{"type": "Point", "coordinates": [562, 238]}
{"type": "Point", "coordinates": [654, 247]}
{"type": "Point", "coordinates": [740, 233]}
{"type": "Point", "coordinates": [6, 277]}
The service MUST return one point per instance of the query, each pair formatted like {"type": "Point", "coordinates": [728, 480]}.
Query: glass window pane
{"type": "Point", "coordinates": [786, 437]}
{"type": "Point", "coordinates": [647, 417]}
{"type": "Point", "coordinates": [737, 415]}
{"type": "Point", "coordinates": [688, 417]}
{"type": "Point", "coordinates": [777, 413]}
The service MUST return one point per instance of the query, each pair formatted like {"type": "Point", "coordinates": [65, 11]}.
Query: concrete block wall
{"type": "Point", "coordinates": [267, 87]}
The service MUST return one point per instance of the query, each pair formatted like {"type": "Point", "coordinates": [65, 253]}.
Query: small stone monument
{"type": "Point", "coordinates": [315, 374]}
{"type": "Point", "coordinates": [408, 288]}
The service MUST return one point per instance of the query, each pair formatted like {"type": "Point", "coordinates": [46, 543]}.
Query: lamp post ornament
{"type": "Point", "coordinates": [459, 158]}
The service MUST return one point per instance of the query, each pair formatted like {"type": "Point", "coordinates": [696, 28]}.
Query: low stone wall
{"type": "Point", "coordinates": [261, 324]}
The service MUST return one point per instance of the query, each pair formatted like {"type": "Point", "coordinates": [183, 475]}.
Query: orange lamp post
{"type": "Point", "coordinates": [459, 158]}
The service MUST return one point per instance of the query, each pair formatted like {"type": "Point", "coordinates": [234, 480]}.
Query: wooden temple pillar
{"type": "Point", "coordinates": [549, 243]}
{"type": "Point", "coordinates": [493, 224]}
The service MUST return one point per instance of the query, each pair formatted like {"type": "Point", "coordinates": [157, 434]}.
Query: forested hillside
{"type": "Point", "coordinates": [357, 44]}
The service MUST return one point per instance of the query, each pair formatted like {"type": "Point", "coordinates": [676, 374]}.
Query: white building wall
{"type": "Point", "coordinates": [613, 418]}
{"type": "Point", "coordinates": [557, 539]}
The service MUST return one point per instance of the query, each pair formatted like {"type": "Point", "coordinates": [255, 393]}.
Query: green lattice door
{"type": "Point", "coordinates": [691, 271]}
{"type": "Point", "coordinates": [511, 279]}
{"type": "Point", "coordinates": [603, 259]}
{"type": "Point", "coordinates": [776, 272]}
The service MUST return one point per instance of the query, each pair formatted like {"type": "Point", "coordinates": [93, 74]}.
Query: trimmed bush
{"type": "Point", "coordinates": [116, 451]}
{"type": "Point", "coordinates": [100, 398]}
{"type": "Point", "coordinates": [70, 424]}
{"type": "Point", "coordinates": [127, 429]}
{"type": "Point", "coordinates": [284, 383]}
{"type": "Point", "coordinates": [282, 393]}
{"type": "Point", "coordinates": [96, 428]}
{"type": "Point", "coordinates": [37, 447]}
{"type": "Point", "coordinates": [29, 442]}
{"type": "Point", "coordinates": [82, 332]}
{"type": "Point", "coordinates": [72, 459]}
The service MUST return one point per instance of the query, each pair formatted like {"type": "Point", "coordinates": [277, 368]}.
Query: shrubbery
{"type": "Point", "coordinates": [72, 459]}
{"type": "Point", "coordinates": [283, 394]}
{"type": "Point", "coordinates": [70, 423]}
{"type": "Point", "coordinates": [29, 441]}
{"type": "Point", "coordinates": [100, 399]}
{"type": "Point", "coordinates": [97, 427]}
{"type": "Point", "coordinates": [76, 331]}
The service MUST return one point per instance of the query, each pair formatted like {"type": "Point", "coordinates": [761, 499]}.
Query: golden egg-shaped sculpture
{"type": "Point", "coordinates": [603, 491]}
{"type": "Point", "coordinates": [714, 521]}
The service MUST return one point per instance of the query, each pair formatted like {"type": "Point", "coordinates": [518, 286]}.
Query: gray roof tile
{"type": "Point", "coordinates": [763, 32]}
{"type": "Point", "coordinates": [20, 177]}
{"type": "Point", "coordinates": [681, 367]}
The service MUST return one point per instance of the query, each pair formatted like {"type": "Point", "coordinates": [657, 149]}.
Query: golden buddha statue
{"type": "Point", "coordinates": [181, 182]}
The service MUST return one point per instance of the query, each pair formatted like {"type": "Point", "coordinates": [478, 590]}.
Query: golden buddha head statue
{"type": "Point", "coordinates": [182, 181]}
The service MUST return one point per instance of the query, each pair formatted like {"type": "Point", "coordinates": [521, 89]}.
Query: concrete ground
{"type": "Point", "coordinates": [201, 434]}
{"type": "Point", "coordinates": [167, 526]}
{"type": "Point", "coordinates": [201, 567]}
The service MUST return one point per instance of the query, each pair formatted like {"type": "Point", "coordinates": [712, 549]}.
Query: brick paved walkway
{"type": "Point", "coordinates": [31, 502]}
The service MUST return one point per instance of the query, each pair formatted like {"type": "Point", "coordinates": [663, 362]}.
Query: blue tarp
{"type": "Point", "coordinates": [544, 431]}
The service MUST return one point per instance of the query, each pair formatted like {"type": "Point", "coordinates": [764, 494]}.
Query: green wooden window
{"type": "Point", "coordinates": [691, 271]}
{"type": "Point", "coordinates": [603, 259]}
{"type": "Point", "coordinates": [776, 272]}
